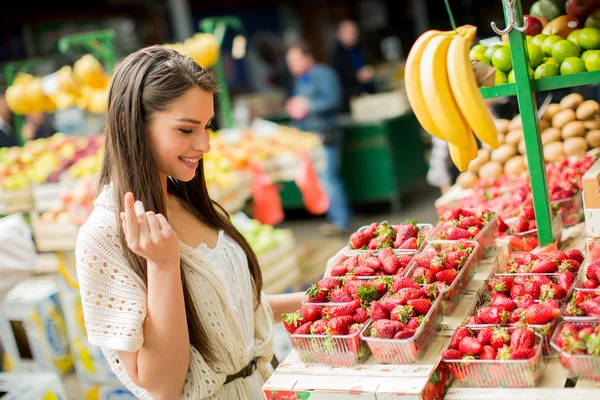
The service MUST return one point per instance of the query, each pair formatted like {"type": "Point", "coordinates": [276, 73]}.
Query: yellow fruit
{"type": "Point", "coordinates": [462, 156]}
{"type": "Point", "coordinates": [203, 48]}
{"type": "Point", "coordinates": [15, 99]}
{"type": "Point", "coordinates": [89, 71]}
{"type": "Point", "coordinates": [66, 81]}
{"type": "Point", "coordinates": [438, 96]}
{"type": "Point", "coordinates": [467, 95]}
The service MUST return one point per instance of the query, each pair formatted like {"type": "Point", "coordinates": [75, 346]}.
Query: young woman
{"type": "Point", "coordinates": [171, 291]}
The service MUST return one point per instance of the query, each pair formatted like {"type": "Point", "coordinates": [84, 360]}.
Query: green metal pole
{"type": "Point", "coordinates": [531, 129]}
{"type": "Point", "coordinates": [99, 43]}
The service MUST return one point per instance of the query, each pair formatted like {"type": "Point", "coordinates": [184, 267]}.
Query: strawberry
{"type": "Point", "coordinates": [502, 227]}
{"type": "Point", "coordinates": [414, 323]}
{"type": "Point", "coordinates": [422, 275]}
{"type": "Point", "coordinates": [516, 315]}
{"type": "Point", "coordinates": [359, 240]}
{"type": "Point", "coordinates": [522, 338]}
{"type": "Point", "coordinates": [504, 302]}
{"type": "Point", "coordinates": [361, 316]}
{"type": "Point", "coordinates": [378, 312]}
{"type": "Point", "coordinates": [525, 301]}
{"type": "Point", "coordinates": [389, 303]}
{"type": "Point", "coordinates": [406, 294]}
{"type": "Point", "coordinates": [575, 254]}
{"type": "Point", "coordinates": [406, 231]}
{"type": "Point", "coordinates": [557, 256]}
{"type": "Point", "coordinates": [591, 270]}
{"type": "Point", "coordinates": [542, 279]}
{"type": "Point", "coordinates": [539, 314]}
{"type": "Point", "coordinates": [456, 259]}
{"type": "Point", "coordinates": [346, 309]}
{"type": "Point", "coordinates": [533, 288]}
{"type": "Point", "coordinates": [470, 346]}
{"type": "Point", "coordinates": [500, 337]}
{"type": "Point", "coordinates": [351, 262]}
{"type": "Point", "coordinates": [373, 263]}
{"type": "Point", "coordinates": [353, 343]}
{"type": "Point", "coordinates": [521, 224]}
{"type": "Point", "coordinates": [367, 293]}
{"type": "Point", "coordinates": [385, 328]}
{"type": "Point", "coordinates": [521, 280]}
{"type": "Point", "coordinates": [500, 284]}
{"type": "Point", "coordinates": [429, 259]}
{"type": "Point", "coordinates": [452, 354]}
{"type": "Point", "coordinates": [522, 354]}
{"type": "Point", "coordinates": [404, 259]}
{"type": "Point", "coordinates": [390, 264]}
{"type": "Point", "coordinates": [328, 284]}
{"type": "Point", "coordinates": [485, 336]}
{"type": "Point", "coordinates": [382, 285]}
{"type": "Point", "coordinates": [590, 284]}
{"type": "Point", "coordinates": [474, 320]}
{"type": "Point", "coordinates": [565, 280]}
{"type": "Point", "coordinates": [493, 315]}
{"type": "Point", "coordinates": [591, 307]}
{"type": "Point", "coordinates": [339, 270]}
{"type": "Point", "coordinates": [468, 222]}
{"type": "Point", "coordinates": [447, 276]}
{"type": "Point", "coordinates": [403, 282]}
{"type": "Point", "coordinates": [552, 303]}
{"type": "Point", "coordinates": [408, 244]}
{"type": "Point", "coordinates": [310, 313]}
{"type": "Point", "coordinates": [517, 291]}
{"type": "Point", "coordinates": [371, 229]}
{"type": "Point", "coordinates": [316, 295]}
{"type": "Point", "coordinates": [459, 335]}
{"type": "Point", "coordinates": [339, 325]}
{"type": "Point", "coordinates": [402, 313]}
{"type": "Point", "coordinates": [421, 306]}
{"type": "Point", "coordinates": [341, 296]}
{"type": "Point", "coordinates": [404, 334]}
{"type": "Point", "coordinates": [503, 353]}
{"type": "Point", "coordinates": [352, 286]}
{"type": "Point", "coordinates": [364, 271]}
{"type": "Point", "coordinates": [544, 266]}
{"type": "Point", "coordinates": [488, 353]}
{"type": "Point", "coordinates": [319, 327]}
{"type": "Point", "coordinates": [292, 321]}
{"type": "Point", "coordinates": [432, 290]}
{"type": "Point", "coordinates": [304, 329]}
{"type": "Point", "coordinates": [455, 233]}
{"type": "Point", "coordinates": [569, 265]}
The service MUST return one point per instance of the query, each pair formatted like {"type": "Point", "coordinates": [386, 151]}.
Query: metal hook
{"type": "Point", "coordinates": [512, 20]}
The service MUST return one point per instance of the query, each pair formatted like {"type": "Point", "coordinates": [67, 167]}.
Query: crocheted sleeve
{"type": "Point", "coordinates": [113, 297]}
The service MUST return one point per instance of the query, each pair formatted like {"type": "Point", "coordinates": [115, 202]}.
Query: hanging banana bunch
{"type": "Point", "coordinates": [443, 93]}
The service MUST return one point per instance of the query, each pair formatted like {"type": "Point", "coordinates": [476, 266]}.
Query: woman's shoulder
{"type": "Point", "coordinates": [101, 227]}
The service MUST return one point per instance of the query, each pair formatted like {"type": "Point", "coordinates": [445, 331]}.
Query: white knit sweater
{"type": "Point", "coordinates": [114, 307]}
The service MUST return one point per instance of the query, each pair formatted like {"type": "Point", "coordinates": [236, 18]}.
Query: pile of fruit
{"type": "Point", "coordinates": [583, 303]}
{"type": "Point", "coordinates": [346, 291]}
{"type": "Point", "coordinates": [567, 129]}
{"type": "Point", "coordinates": [462, 224]}
{"type": "Point", "coordinates": [377, 236]}
{"type": "Point", "coordinates": [492, 344]}
{"type": "Point", "coordinates": [552, 262]}
{"type": "Point", "coordinates": [444, 94]}
{"type": "Point", "coordinates": [46, 160]}
{"type": "Point", "coordinates": [581, 340]}
{"type": "Point", "coordinates": [441, 262]}
{"type": "Point", "coordinates": [75, 206]}
{"type": "Point", "coordinates": [261, 237]}
{"type": "Point", "coordinates": [370, 263]}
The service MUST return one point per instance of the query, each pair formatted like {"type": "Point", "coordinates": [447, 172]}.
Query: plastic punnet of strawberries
{"type": "Point", "coordinates": [460, 223]}
{"type": "Point", "coordinates": [377, 236]}
{"type": "Point", "coordinates": [342, 291]}
{"type": "Point", "coordinates": [581, 340]}
{"type": "Point", "coordinates": [584, 303]}
{"type": "Point", "coordinates": [382, 262]}
{"type": "Point", "coordinates": [592, 275]}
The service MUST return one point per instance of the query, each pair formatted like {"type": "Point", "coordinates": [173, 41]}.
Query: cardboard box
{"type": "Point", "coordinates": [31, 386]}
{"type": "Point", "coordinates": [9, 351]}
{"type": "Point", "coordinates": [90, 364]}
{"type": "Point", "coordinates": [70, 300]}
{"type": "Point", "coordinates": [36, 320]}
{"type": "Point", "coordinates": [106, 392]}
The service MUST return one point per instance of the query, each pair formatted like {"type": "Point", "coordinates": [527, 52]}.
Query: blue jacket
{"type": "Point", "coordinates": [321, 86]}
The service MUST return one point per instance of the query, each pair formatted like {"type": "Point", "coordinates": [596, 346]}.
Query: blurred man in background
{"type": "Point", "coordinates": [37, 126]}
{"type": "Point", "coordinates": [316, 99]}
{"type": "Point", "coordinates": [351, 63]}
{"type": "Point", "coordinates": [8, 137]}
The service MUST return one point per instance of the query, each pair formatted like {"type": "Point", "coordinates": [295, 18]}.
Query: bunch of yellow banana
{"type": "Point", "coordinates": [443, 93]}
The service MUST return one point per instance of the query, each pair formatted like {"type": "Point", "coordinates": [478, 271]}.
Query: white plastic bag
{"type": "Point", "coordinates": [17, 252]}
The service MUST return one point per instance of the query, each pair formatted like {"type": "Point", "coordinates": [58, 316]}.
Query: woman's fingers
{"type": "Point", "coordinates": [164, 224]}
{"type": "Point", "coordinates": [153, 226]}
{"type": "Point", "coordinates": [140, 212]}
{"type": "Point", "coordinates": [131, 222]}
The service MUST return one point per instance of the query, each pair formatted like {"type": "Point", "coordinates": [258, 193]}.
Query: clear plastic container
{"type": "Point", "coordinates": [498, 373]}
{"type": "Point", "coordinates": [424, 231]}
{"type": "Point", "coordinates": [579, 365]}
{"type": "Point", "coordinates": [580, 318]}
{"type": "Point", "coordinates": [342, 350]}
{"type": "Point", "coordinates": [571, 210]}
{"type": "Point", "coordinates": [553, 277]}
{"type": "Point", "coordinates": [520, 241]}
{"type": "Point", "coordinates": [351, 253]}
{"type": "Point", "coordinates": [406, 351]}
{"type": "Point", "coordinates": [593, 248]}
{"type": "Point", "coordinates": [486, 236]}
{"type": "Point", "coordinates": [466, 273]}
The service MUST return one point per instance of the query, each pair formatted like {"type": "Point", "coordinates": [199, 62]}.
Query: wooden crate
{"type": "Point", "coordinates": [47, 196]}
{"type": "Point", "coordinates": [53, 236]}
{"type": "Point", "coordinates": [14, 201]}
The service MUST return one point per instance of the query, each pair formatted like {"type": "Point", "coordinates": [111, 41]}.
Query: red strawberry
{"type": "Point", "coordinates": [390, 265]}
{"type": "Point", "coordinates": [359, 240]}
{"type": "Point", "coordinates": [452, 354]}
{"type": "Point", "coordinates": [504, 302]}
{"type": "Point", "coordinates": [455, 233]}
{"type": "Point", "coordinates": [493, 315]}
{"type": "Point", "coordinates": [329, 284]}
{"type": "Point", "coordinates": [569, 265]}
{"type": "Point", "coordinates": [517, 291]}
{"type": "Point", "coordinates": [432, 290]}
{"type": "Point", "coordinates": [389, 303]}
{"type": "Point", "coordinates": [590, 284]}
{"type": "Point", "coordinates": [468, 222]}
{"type": "Point", "coordinates": [521, 224]}
{"type": "Point", "coordinates": [304, 329]}
{"type": "Point", "coordinates": [404, 259]}
{"type": "Point", "coordinates": [341, 296]}
{"type": "Point", "coordinates": [385, 253]}
{"type": "Point", "coordinates": [378, 312]}
{"type": "Point", "coordinates": [421, 306]}
{"type": "Point", "coordinates": [522, 338]}
{"type": "Point", "coordinates": [346, 309]}
{"type": "Point", "coordinates": [364, 271]}
{"type": "Point", "coordinates": [352, 286]}
{"type": "Point", "coordinates": [319, 327]}
{"type": "Point", "coordinates": [516, 315]}
{"type": "Point", "coordinates": [542, 279]}
{"type": "Point", "coordinates": [488, 353]}
{"type": "Point", "coordinates": [485, 336]}
{"type": "Point", "coordinates": [351, 263]}
{"type": "Point", "coordinates": [406, 231]}
{"type": "Point", "coordinates": [361, 316]}
{"type": "Point", "coordinates": [316, 295]}
{"type": "Point", "coordinates": [456, 259]}
{"type": "Point", "coordinates": [402, 313]}
{"type": "Point", "coordinates": [591, 307]}
{"type": "Point", "coordinates": [406, 294]}
{"type": "Point", "coordinates": [408, 244]}
{"type": "Point", "coordinates": [422, 275]}
{"type": "Point", "coordinates": [310, 313]}
{"type": "Point", "coordinates": [500, 337]}
{"type": "Point", "coordinates": [429, 259]}
{"type": "Point", "coordinates": [353, 343]}
{"type": "Point", "coordinates": [575, 254]}
{"type": "Point", "coordinates": [544, 266]}
{"type": "Point", "coordinates": [339, 270]}
{"type": "Point", "coordinates": [382, 285]}
{"type": "Point", "coordinates": [451, 215]}
{"type": "Point", "coordinates": [474, 320]}
{"type": "Point", "coordinates": [557, 256]}
{"type": "Point", "coordinates": [292, 321]}
{"type": "Point", "coordinates": [339, 325]}
{"type": "Point", "coordinates": [533, 288]}
{"type": "Point", "coordinates": [525, 301]}
{"type": "Point", "coordinates": [500, 284]}
{"type": "Point", "coordinates": [470, 346]}
{"type": "Point", "coordinates": [522, 354]}
{"type": "Point", "coordinates": [371, 229]}
{"type": "Point", "coordinates": [539, 314]}
{"type": "Point", "coordinates": [385, 329]}
{"type": "Point", "coordinates": [447, 276]}
{"type": "Point", "coordinates": [552, 303]}
{"type": "Point", "coordinates": [591, 270]}
{"type": "Point", "coordinates": [373, 263]}
{"type": "Point", "coordinates": [403, 282]}
{"type": "Point", "coordinates": [414, 323]}
{"type": "Point", "coordinates": [502, 227]}
{"type": "Point", "coordinates": [404, 334]}
{"type": "Point", "coordinates": [503, 353]}
{"type": "Point", "coordinates": [565, 280]}
{"type": "Point", "coordinates": [459, 335]}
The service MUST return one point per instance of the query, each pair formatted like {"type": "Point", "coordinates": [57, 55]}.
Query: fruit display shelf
{"type": "Point", "coordinates": [14, 201]}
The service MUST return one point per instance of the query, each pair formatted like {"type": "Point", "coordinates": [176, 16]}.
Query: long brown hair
{"type": "Point", "coordinates": [146, 82]}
